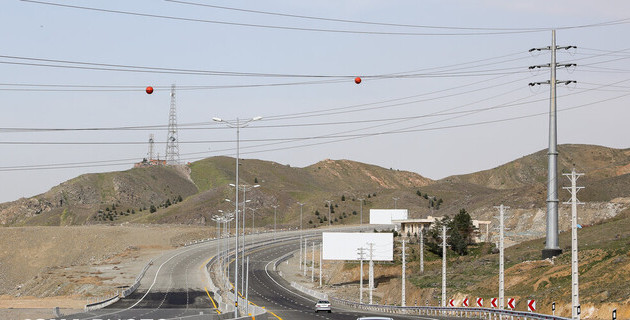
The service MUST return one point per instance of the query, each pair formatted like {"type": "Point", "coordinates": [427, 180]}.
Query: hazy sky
{"type": "Point", "coordinates": [436, 101]}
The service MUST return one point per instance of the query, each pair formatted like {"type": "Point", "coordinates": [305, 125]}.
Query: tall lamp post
{"type": "Point", "coordinates": [242, 245]}
{"type": "Point", "coordinates": [238, 124]}
{"type": "Point", "coordinates": [301, 205]}
{"type": "Point", "coordinates": [275, 207]}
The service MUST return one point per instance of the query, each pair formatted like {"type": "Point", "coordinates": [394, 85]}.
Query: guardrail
{"type": "Point", "coordinates": [227, 287]}
{"type": "Point", "coordinates": [310, 292]}
{"type": "Point", "coordinates": [127, 292]}
{"type": "Point", "coordinates": [101, 304]}
{"type": "Point", "coordinates": [485, 313]}
{"type": "Point", "coordinates": [281, 260]}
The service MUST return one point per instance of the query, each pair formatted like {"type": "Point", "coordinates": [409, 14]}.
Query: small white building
{"type": "Point", "coordinates": [412, 227]}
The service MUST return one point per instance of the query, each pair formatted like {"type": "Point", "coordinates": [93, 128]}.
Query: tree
{"type": "Point", "coordinates": [179, 199]}
{"type": "Point", "coordinates": [343, 197]}
{"type": "Point", "coordinates": [419, 193]}
{"type": "Point", "coordinates": [461, 232]}
{"type": "Point", "coordinates": [256, 180]}
{"type": "Point", "coordinates": [317, 212]}
{"type": "Point", "coordinates": [152, 209]}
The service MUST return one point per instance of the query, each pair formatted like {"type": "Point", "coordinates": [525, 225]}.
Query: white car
{"type": "Point", "coordinates": [323, 305]}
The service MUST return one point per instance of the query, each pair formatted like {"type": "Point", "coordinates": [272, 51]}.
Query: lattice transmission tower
{"type": "Point", "coordinates": [172, 143]}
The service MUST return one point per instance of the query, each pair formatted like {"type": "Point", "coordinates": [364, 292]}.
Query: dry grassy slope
{"type": "Point", "coordinates": [284, 186]}
{"type": "Point", "coordinates": [77, 200]}
{"type": "Point", "coordinates": [596, 161]}
{"type": "Point", "coordinates": [604, 273]}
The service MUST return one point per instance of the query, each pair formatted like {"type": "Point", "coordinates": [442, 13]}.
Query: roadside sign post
{"type": "Point", "coordinates": [493, 303]}
{"type": "Point", "coordinates": [553, 308]}
{"type": "Point", "coordinates": [511, 303]}
{"type": "Point", "coordinates": [614, 315]}
{"type": "Point", "coordinates": [531, 305]}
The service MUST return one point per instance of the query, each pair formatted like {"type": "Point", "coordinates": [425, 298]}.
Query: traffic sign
{"type": "Point", "coordinates": [511, 303]}
{"type": "Point", "coordinates": [531, 305]}
{"type": "Point", "coordinates": [494, 302]}
{"type": "Point", "coordinates": [553, 306]}
{"type": "Point", "coordinates": [451, 302]}
{"type": "Point", "coordinates": [465, 303]}
{"type": "Point", "coordinates": [614, 314]}
{"type": "Point", "coordinates": [479, 302]}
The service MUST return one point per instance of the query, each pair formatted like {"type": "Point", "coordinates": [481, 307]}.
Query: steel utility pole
{"type": "Point", "coordinates": [443, 266]}
{"type": "Point", "coordinates": [274, 221]}
{"type": "Point", "coordinates": [313, 263]}
{"type": "Point", "coordinates": [551, 246]}
{"type": "Point", "coordinates": [305, 248]}
{"type": "Point", "coordinates": [403, 300]}
{"type": "Point", "coordinates": [301, 205]}
{"type": "Point", "coordinates": [421, 250]}
{"type": "Point", "coordinates": [329, 210]}
{"type": "Point", "coordinates": [501, 255]}
{"type": "Point", "coordinates": [321, 251]}
{"type": "Point", "coordinates": [361, 258]}
{"type": "Point", "coordinates": [395, 202]}
{"type": "Point", "coordinates": [371, 271]}
{"type": "Point", "coordinates": [361, 210]}
{"type": "Point", "coordinates": [575, 288]}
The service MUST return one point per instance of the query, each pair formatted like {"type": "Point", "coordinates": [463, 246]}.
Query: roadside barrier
{"type": "Point", "coordinates": [127, 292]}
{"type": "Point", "coordinates": [483, 313]}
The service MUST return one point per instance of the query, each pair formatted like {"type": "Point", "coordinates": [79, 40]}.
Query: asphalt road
{"type": "Point", "coordinates": [271, 291]}
{"type": "Point", "coordinates": [175, 286]}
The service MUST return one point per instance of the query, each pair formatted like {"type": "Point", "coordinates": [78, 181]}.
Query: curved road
{"type": "Point", "coordinates": [175, 286]}
{"type": "Point", "coordinates": [271, 291]}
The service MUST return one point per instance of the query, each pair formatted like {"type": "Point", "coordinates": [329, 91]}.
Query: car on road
{"type": "Point", "coordinates": [323, 305]}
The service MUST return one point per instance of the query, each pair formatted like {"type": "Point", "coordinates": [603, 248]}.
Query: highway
{"type": "Point", "coordinates": [175, 286]}
{"type": "Point", "coordinates": [273, 292]}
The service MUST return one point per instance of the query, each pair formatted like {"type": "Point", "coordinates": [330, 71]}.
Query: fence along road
{"type": "Point", "coordinates": [269, 289]}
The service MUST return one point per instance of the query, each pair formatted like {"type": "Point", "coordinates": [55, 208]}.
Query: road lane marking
{"type": "Point", "coordinates": [214, 304]}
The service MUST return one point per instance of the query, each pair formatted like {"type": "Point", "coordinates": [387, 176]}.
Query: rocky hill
{"type": "Point", "coordinates": [192, 194]}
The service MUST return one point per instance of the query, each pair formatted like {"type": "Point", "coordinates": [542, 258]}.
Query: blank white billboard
{"type": "Point", "coordinates": [346, 245]}
{"type": "Point", "coordinates": [385, 216]}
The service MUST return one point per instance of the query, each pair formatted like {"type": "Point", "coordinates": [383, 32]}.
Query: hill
{"type": "Point", "coordinates": [193, 194]}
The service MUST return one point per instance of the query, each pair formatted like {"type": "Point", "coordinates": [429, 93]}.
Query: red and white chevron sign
{"type": "Point", "coordinates": [479, 302]}
{"type": "Point", "coordinates": [511, 303]}
{"type": "Point", "coordinates": [465, 303]}
{"type": "Point", "coordinates": [531, 305]}
{"type": "Point", "coordinates": [451, 302]}
{"type": "Point", "coordinates": [494, 302]}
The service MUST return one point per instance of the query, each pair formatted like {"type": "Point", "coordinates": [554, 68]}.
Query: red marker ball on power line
{"type": "Point", "coordinates": [149, 90]}
{"type": "Point", "coordinates": [357, 80]}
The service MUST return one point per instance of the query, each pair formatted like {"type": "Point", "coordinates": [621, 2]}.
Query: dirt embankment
{"type": "Point", "coordinates": [72, 264]}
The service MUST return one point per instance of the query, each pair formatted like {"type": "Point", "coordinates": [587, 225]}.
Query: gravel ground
{"type": "Point", "coordinates": [72, 264]}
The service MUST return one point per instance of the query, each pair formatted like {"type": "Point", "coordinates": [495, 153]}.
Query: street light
{"type": "Point", "coordinates": [238, 125]}
{"type": "Point", "coordinates": [274, 220]}
{"type": "Point", "coordinates": [301, 205]}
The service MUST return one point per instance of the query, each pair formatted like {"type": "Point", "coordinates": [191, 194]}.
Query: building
{"type": "Point", "coordinates": [412, 227]}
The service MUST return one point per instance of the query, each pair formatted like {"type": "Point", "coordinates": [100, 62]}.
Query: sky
{"type": "Point", "coordinates": [444, 87]}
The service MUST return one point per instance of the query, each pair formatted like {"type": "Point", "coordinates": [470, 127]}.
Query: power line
{"type": "Point", "coordinates": [339, 31]}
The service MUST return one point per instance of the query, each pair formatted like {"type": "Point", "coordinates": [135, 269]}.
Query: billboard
{"type": "Point", "coordinates": [385, 216]}
{"type": "Point", "coordinates": [346, 245]}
